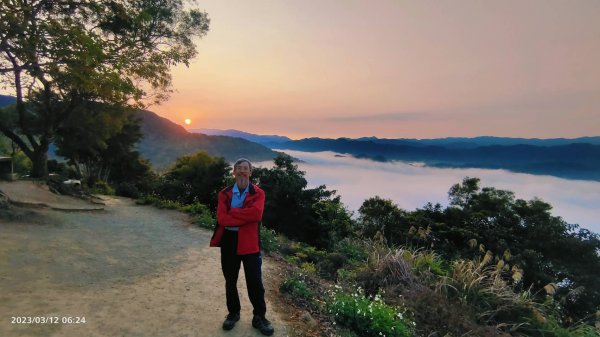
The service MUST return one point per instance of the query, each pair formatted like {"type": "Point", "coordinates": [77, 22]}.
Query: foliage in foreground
{"type": "Point", "coordinates": [369, 316]}
{"type": "Point", "coordinates": [312, 215]}
{"type": "Point", "coordinates": [478, 297]}
{"type": "Point", "coordinates": [474, 268]}
{"type": "Point", "coordinates": [57, 56]}
{"type": "Point", "coordinates": [543, 247]}
{"type": "Point", "coordinates": [21, 164]}
{"type": "Point", "coordinates": [194, 178]}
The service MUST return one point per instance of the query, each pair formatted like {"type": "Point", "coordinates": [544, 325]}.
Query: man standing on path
{"type": "Point", "coordinates": [239, 212]}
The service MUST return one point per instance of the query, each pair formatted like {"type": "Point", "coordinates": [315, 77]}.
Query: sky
{"type": "Point", "coordinates": [394, 69]}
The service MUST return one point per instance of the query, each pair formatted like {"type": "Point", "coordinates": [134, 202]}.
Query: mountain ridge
{"type": "Point", "coordinates": [576, 158]}
{"type": "Point", "coordinates": [446, 141]}
{"type": "Point", "coordinates": [572, 161]}
{"type": "Point", "coordinates": [164, 141]}
{"type": "Point", "coordinates": [267, 140]}
{"type": "Point", "coordinates": [571, 158]}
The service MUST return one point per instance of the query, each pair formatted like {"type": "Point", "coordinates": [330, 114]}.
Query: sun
{"type": "Point", "coordinates": [187, 121]}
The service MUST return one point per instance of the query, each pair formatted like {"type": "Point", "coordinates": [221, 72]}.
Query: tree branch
{"type": "Point", "coordinates": [16, 139]}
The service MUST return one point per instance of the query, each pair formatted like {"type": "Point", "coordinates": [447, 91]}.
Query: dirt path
{"type": "Point", "coordinates": [129, 270]}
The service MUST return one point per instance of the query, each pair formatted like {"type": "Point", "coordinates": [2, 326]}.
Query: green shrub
{"type": "Point", "coordinates": [204, 217]}
{"type": "Point", "coordinates": [346, 275]}
{"type": "Point", "coordinates": [168, 204]}
{"type": "Point", "coordinates": [584, 330]}
{"type": "Point", "coordinates": [295, 285]}
{"type": "Point", "coordinates": [102, 187]}
{"type": "Point", "coordinates": [369, 317]}
{"type": "Point", "coordinates": [309, 268]}
{"type": "Point", "coordinates": [329, 266]}
{"type": "Point", "coordinates": [205, 220]}
{"type": "Point", "coordinates": [291, 259]}
{"type": "Point", "coordinates": [353, 249]}
{"type": "Point", "coordinates": [151, 199]}
{"type": "Point", "coordinates": [307, 253]}
{"type": "Point", "coordinates": [285, 246]}
{"type": "Point", "coordinates": [424, 263]}
{"type": "Point", "coordinates": [22, 165]}
{"type": "Point", "coordinates": [269, 240]}
{"type": "Point", "coordinates": [194, 178]}
{"type": "Point", "coordinates": [550, 327]}
{"type": "Point", "coordinates": [297, 253]}
{"type": "Point", "coordinates": [195, 209]}
{"type": "Point", "coordinates": [146, 199]}
{"type": "Point", "coordinates": [301, 256]}
{"type": "Point", "coordinates": [127, 189]}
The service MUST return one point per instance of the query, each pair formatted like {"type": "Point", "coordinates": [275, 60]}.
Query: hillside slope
{"type": "Point", "coordinates": [270, 141]}
{"type": "Point", "coordinates": [165, 141]}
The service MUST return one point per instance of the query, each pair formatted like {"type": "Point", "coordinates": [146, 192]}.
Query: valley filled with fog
{"type": "Point", "coordinates": [411, 185]}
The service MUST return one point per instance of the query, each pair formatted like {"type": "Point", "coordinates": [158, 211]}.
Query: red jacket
{"type": "Point", "coordinates": [246, 218]}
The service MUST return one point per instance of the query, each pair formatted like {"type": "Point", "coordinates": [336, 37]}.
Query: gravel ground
{"type": "Point", "coordinates": [129, 270]}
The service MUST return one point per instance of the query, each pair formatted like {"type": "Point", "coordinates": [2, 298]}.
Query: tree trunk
{"type": "Point", "coordinates": [40, 163]}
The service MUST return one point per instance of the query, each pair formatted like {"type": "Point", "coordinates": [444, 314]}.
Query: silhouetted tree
{"type": "Point", "coordinates": [58, 55]}
{"type": "Point", "coordinates": [195, 178]}
{"type": "Point", "coordinates": [544, 246]}
{"type": "Point", "coordinates": [315, 216]}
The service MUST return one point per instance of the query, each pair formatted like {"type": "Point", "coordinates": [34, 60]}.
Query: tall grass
{"type": "Point", "coordinates": [486, 289]}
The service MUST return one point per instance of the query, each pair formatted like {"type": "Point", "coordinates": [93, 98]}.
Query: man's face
{"type": "Point", "coordinates": [242, 172]}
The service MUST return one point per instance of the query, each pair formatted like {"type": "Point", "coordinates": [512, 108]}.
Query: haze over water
{"type": "Point", "coordinates": [411, 186]}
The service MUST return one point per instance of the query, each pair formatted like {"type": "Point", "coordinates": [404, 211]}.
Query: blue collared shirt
{"type": "Point", "coordinates": [237, 201]}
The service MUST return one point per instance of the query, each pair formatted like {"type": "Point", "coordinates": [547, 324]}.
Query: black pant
{"type": "Point", "coordinates": [230, 264]}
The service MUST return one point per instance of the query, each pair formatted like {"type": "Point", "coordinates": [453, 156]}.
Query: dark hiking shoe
{"type": "Point", "coordinates": [262, 324]}
{"type": "Point", "coordinates": [230, 321]}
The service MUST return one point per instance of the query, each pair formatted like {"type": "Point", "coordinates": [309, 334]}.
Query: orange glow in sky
{"type": "Point", "coordinates": [396, 69]}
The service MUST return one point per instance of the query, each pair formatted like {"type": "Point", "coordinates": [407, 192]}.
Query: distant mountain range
{"type": "Point", "coordinates": [448, 142]}
{"type": "Point", "coordinates": [165, 141]}
{"type": "Point", "coordinates": [6, 100]}
{"type": "Point", "coordinates": [271, 141]}
{"type": "Point", "coordinates": [469, 143]}
{"type": "Point", "coordinates": [572, 159]}
{"type": "Point", "coordinates": [577, 158]}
